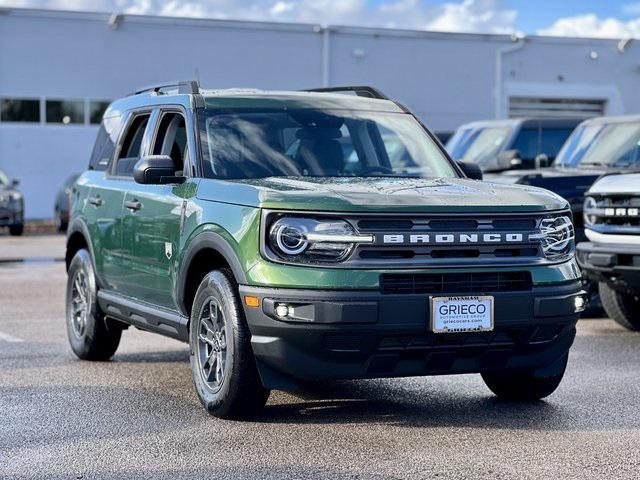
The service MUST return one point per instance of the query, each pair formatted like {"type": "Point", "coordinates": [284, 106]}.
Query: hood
{"type": "Point", "coordinates": [380, 194]}
{"type": "Point", "coordinates": [569, 183]}
{"type": "Point", "coordinates": [617, 184]}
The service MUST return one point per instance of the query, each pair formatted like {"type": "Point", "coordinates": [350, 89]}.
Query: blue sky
{"type": "Point", "coordinates": [591, 18]}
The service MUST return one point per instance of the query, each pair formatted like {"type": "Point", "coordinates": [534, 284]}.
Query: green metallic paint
{"type": "Point", "coordinates": [129, 247]}
{"type": "Point", "coordinates": [381, 195]}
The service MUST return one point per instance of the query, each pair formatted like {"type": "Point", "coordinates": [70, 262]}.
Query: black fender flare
{"type": "Point", "coordinates": [204, 241]}
{"type": "Point", "coordinates": [79, 226]}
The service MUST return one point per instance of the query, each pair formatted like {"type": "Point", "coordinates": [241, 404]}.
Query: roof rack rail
{"type": "Point", "coordinates": [184, 87]}
{"type": "Point", "coordinates": [359, 90]}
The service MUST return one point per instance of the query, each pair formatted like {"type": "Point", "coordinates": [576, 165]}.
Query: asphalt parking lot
{"type": "Point", "coordinates": [138, 416]}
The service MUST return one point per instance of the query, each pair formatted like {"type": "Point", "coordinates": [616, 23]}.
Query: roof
{"type": "Point", "coordinates": [612, 119]}
{"type": "Point", "coordinates": [256, 99]}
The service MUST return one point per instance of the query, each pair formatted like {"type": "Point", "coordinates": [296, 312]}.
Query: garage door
{"type": "Point", "coordinates": [555, 107]}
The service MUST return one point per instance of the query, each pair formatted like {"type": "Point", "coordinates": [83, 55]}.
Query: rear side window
{"type": "Point", "coordinates": [131, 146]}
{"type": "Point", "coordinates": [105, 145]}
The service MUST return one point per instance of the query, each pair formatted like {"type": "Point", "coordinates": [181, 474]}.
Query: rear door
{"type": "Point", "coordinates": [154, 213]}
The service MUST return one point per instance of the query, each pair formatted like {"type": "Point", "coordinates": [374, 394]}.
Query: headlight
{"type": "Point", "coordinates": [300, 239]}
{"type": "Point", "coordinates": [556, 237]}
{"type": "Point", "coordinates": [590, 205]}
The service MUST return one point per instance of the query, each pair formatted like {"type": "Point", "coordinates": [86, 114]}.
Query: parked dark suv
{"type": "Point", "coordinates": [11, 205]}
{"type": "Point", "coordinates": [276, 233]}
{"type": "Point", "coordinates": [519, 143]}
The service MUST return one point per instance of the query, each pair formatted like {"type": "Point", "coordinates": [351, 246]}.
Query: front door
{"type": "Point", "coordinates": [156, 214]}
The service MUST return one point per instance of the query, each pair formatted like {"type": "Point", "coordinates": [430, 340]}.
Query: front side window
{"type": "Point", "coordinates": [131, 146]}
{"type": "Point", "coordinates": [608, 145]}
{"type": "Point", "coordinates": [171, 140]}
{"type": "Point", "coordinates": [318, 143]}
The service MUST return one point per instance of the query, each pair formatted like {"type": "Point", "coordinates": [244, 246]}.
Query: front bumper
{"type": "Point", "coordinates": [616, 264]}
{"type": "Point", "coordinates": [10, 217]}
{"type": "Point", "coordinates": [368, 334]}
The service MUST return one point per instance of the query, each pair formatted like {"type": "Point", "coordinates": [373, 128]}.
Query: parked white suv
{"type": "Point", "coordinates": [612, 256]}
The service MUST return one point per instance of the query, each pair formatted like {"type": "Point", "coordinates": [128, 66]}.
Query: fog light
{"type": "Point", "coordinates": [283, 310]}
{"type": "Point", "coordinates": [580, 303]}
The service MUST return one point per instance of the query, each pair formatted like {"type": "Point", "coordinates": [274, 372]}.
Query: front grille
{"type": "Point", "coordinates": [455, 283]}
{"type": "Point", "coordinates": [615, 214]}
{"type": "Point", "coordinates": [472, 239]}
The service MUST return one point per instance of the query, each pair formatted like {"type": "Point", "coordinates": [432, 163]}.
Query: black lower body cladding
{"type": "Point", "coordinates": [615, 264]}
{"type": "Point", "coordinates": [369, 334]}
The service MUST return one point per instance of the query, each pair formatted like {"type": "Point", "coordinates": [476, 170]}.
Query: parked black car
{"type": "Point", "coordinates": [62, 207]}
{"type": "Point", "coordinates": [499, 145]}
{"type": "Point", "coordinates": [11, 205]}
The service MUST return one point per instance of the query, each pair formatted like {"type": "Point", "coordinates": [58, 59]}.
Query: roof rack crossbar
{"type": "Point", "coordinates": [359, 90]}
{"type": "Point", "coordinates": [184, 87]}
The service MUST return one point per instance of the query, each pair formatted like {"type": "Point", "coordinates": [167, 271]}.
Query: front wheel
{"type": "Point", "coordinates": [222, 363]}
{"type": "Point", "coordinates": [526, 385]}
{"type": "Point", "coordinates": [624, 308]}
{"type": "Point", "coordinates": [91, 336]}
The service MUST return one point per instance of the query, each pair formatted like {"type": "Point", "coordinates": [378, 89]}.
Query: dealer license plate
{"type": "Point", "coordinates": [462, 314]}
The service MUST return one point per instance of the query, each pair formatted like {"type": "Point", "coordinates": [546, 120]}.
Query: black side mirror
{"type": "Point", "coordinates": [471, 170]}
{"type": "Point", "coordinates": [15, 182]}
{"type": "Point", "coordinates": [156, 170]}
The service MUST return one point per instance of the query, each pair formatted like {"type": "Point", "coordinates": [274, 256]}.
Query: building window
{"type": "Point", "coordinates": [65, 111]}
{"type": "Point", "coordinates": [19, 110]}
{"type": "Point", "coordinates": [96, 110]}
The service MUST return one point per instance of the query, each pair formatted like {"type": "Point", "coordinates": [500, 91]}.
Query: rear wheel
{"type": "Point", "coordinates": [624, 308]}
{"type": "Point", "coordinates": [222, 363]}
{"type": "Point", "coordinates": [91, 336]}
{"type": "Point", "coordinates": [526, 385]}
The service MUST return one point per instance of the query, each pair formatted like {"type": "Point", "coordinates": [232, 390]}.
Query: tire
{"type": "Point", "coordinates": [91, 336]}
{"type": "Point", "coordinates": [16, 230]}
{"type": "Point", "coordinates": [624, 308]}
{"type": "Point", "coordinates": [61, 225]}
{"type": "Point", "coordinates": [526, 385]}
{"type": "Point", "coordinates": [219, 337]}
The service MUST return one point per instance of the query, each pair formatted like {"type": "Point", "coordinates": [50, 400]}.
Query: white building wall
{"type": "Point", "coordinates": [448, 79]}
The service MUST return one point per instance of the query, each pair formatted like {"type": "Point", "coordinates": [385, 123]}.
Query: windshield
{"type": "Point", "coordinates": [318, 143]}
{"type": "Point", "coordinates": [608, 145]}
{"type": "Point", "coordinates": [479, 145]}
{"type": "Point", "coordinates": [4, 180]}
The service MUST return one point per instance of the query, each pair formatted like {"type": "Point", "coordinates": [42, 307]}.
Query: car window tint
{"type": "Point", "coordinates": [131, 146]}
{"type": "Point", "coordinates": [171, 139]}
{"type": "Point", "coordinates": [105, 144]}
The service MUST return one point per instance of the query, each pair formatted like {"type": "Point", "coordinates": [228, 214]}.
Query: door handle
{"type": "Point", "coordinates": [96, 201]}
{"type": "Point", "coordinates": [133, 204]}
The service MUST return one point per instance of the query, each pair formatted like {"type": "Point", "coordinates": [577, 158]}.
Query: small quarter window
{"type": "Point", "coordinates": [105, 144]}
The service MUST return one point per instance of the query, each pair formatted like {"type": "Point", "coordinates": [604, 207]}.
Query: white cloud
{"type": "Point", "coordinates": [590, 25]}
{"type": "Point", "coordinates": [452, 15]}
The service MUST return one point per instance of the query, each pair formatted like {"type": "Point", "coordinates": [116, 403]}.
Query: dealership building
{"type": "Point", "coordinates": [58, 71]}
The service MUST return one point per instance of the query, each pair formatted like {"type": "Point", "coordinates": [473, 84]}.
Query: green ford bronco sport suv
{"type": "Point", "coordinates": [299, 236]}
